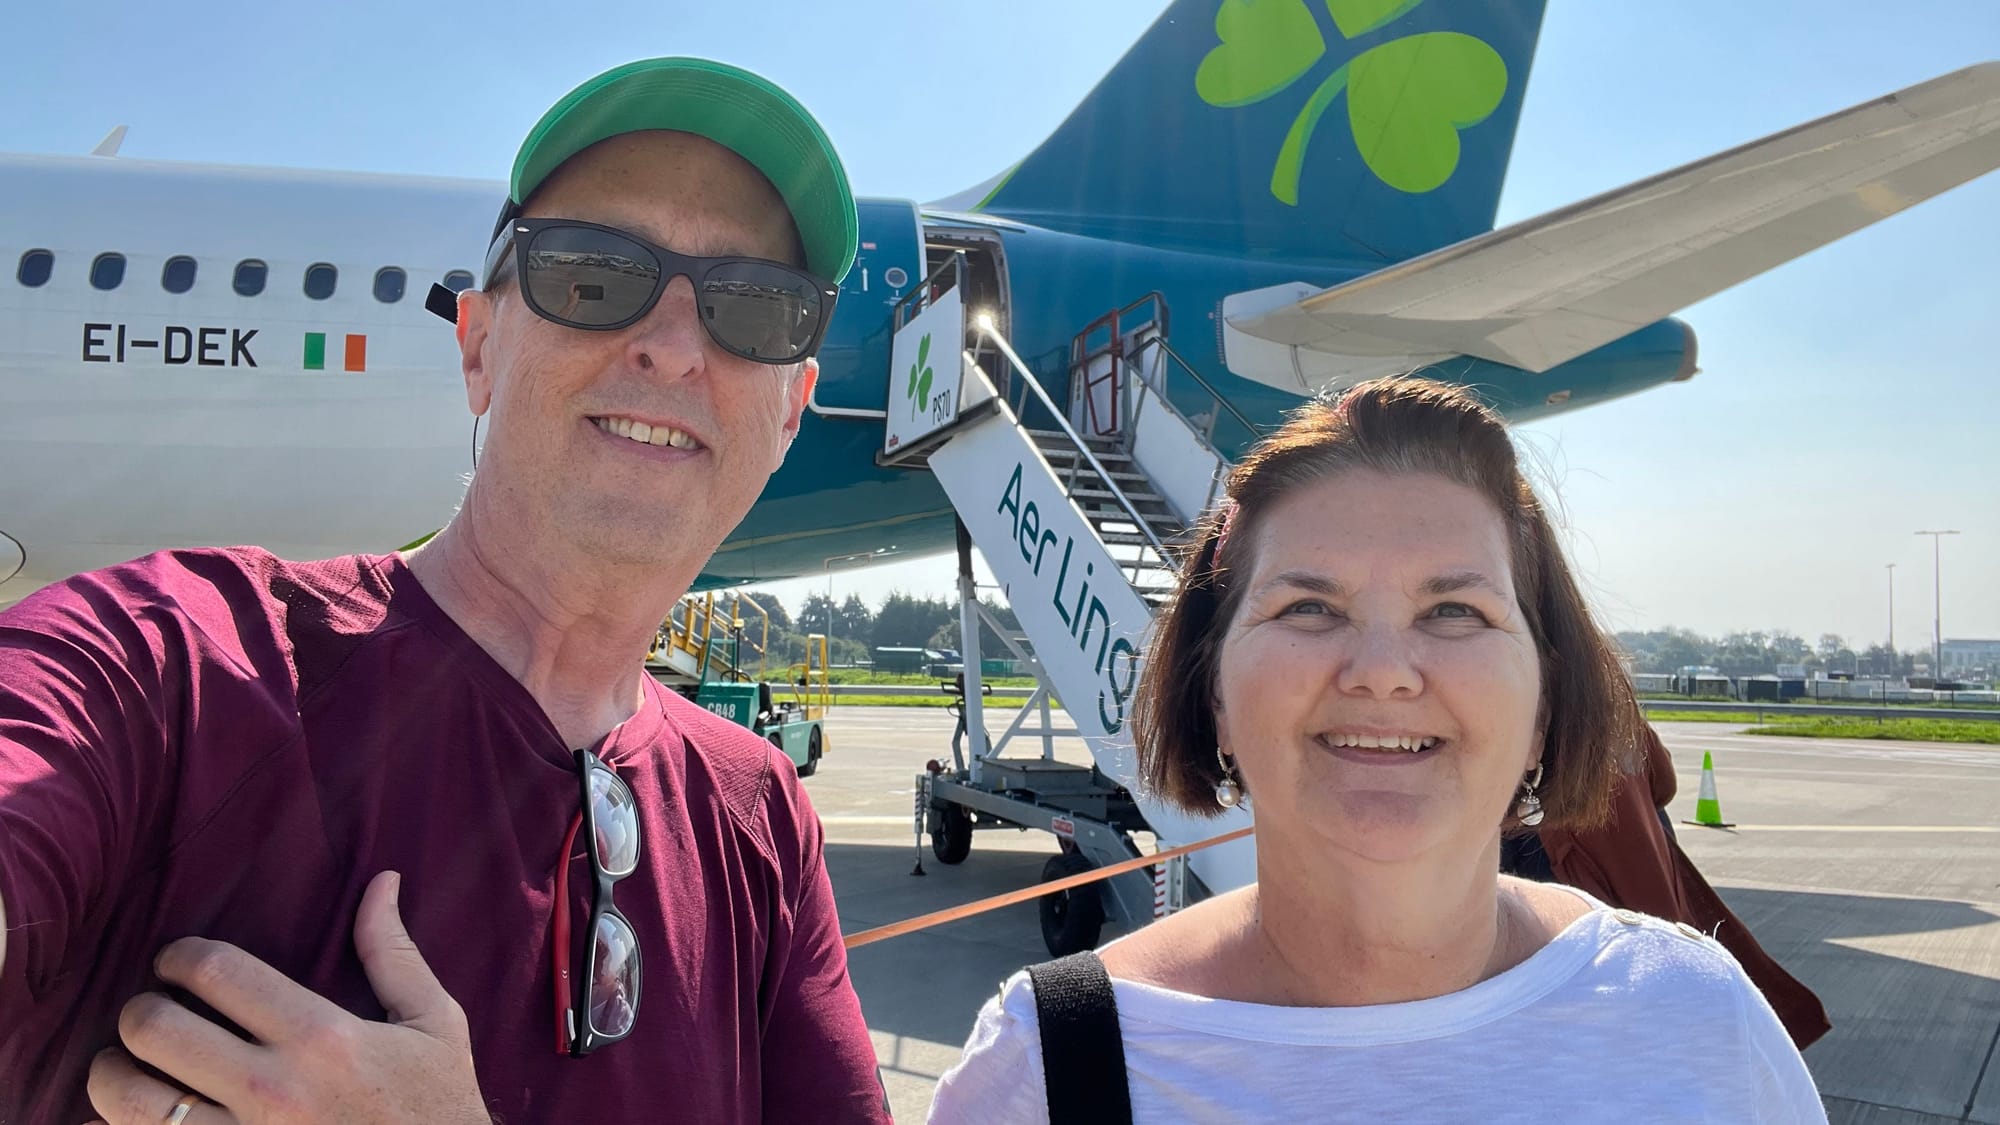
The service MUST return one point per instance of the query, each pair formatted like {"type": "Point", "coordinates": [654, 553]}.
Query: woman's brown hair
{"type": "Point", "coordinates": [1397, 426]}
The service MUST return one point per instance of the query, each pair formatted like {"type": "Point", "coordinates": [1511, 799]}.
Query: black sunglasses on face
{"type": "Point", "coordinates": [610, 987]}
{"type": "Point", "coordinates": [599, 278]}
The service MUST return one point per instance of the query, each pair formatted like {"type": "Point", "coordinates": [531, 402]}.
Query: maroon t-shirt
{"type": "Point", "coordinates": [225, 744]}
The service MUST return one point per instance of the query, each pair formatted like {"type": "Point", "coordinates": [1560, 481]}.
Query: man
{"type": "Point", "coordinates": [323, 768]}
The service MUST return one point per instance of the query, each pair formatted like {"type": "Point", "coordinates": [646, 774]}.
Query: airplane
{"type": "Point", "coordinates": [197, 354]}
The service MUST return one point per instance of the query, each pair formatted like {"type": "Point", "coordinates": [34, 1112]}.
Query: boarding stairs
{"type": "Point", "coordinates": [1080, 511]}
{"type": "Point", "coordinates": [1127, 515]}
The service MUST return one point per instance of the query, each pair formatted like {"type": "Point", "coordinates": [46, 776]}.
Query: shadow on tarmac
{"type": "Point", "coordinates": [1909, 1032]}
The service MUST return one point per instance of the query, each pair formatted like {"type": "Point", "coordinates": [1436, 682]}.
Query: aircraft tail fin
{"type": "Point", "coordinates": [109, 145]}
{"type": "Point", "coordinates": [1296, 130]}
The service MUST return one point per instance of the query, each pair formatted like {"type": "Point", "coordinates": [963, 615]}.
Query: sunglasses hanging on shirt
{"type": "Point", "coordinates": [607, 999]}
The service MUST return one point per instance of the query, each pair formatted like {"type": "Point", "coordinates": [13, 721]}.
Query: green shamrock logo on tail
{"type": "Point", "coordinates": [1407, 99]}
{"type": "Point", "coordinates": [919, 391]}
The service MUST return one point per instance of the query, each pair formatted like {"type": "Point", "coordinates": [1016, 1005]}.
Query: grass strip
{"type": "Point", "coordinates": [1900, 730]}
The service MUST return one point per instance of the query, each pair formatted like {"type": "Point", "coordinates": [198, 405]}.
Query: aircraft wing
{"type": "Point", "coordinates": [1546, 290]}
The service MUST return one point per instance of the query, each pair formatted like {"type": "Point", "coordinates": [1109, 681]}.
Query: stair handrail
{"type": "Point", "coordinates": [1147, 391]}
{"type": "Point", "coordinates": [1205, 436]}
{"type": "Point", "coordinates": [983, 324]}
{"type": "Point", "coordinates": [692, 627]}
{"type": "Point", "coordinates": [811, 690]}
{"type": "Point", "coordinates": [1250, 427]}
{"type": "Point", "coordinates": [738, 622]}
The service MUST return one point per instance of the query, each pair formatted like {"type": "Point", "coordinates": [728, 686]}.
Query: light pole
{"type": "Point", "coordinates": [1892, 625]}
{"type": "Point", "coordinates": [1937, 595]}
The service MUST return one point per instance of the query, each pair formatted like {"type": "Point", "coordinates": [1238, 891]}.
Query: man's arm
{"type": "Point", "coordinates": [83, 755]}
{"type": "Point", "coordinates": [818, 1062]}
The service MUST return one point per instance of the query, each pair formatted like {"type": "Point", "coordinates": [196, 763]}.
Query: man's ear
{"type": "Point", "coordinates": [475, 325]}
{"type": "Point", "coordinates": [802, 382]}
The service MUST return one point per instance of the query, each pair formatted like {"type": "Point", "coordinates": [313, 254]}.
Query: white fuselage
{"type": "Point", "coordinates": [135, 418]}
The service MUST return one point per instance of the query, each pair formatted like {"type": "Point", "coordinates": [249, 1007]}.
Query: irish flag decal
{"type": "Point", "coordinates": [357, 351]}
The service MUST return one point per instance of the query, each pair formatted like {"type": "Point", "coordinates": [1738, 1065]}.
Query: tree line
{"type": "Point", "coordinates": [855, 630]}
{"type": "Point", "coordinates": [1756, 652]}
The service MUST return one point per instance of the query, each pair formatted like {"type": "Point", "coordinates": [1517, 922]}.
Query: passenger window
{"type": "Point", "coordinates": [458, 281]}
{"type": "Point", "coordinates": [107, 271]}
{"type": "Point", "coordinates": [177, 276]}
{"type": "Point", "coordinates": [320, 280]}
{"type": "Point", "coordinates": [35, 268]}
{"type": "Point", "coordinates": [389, 282]}
{"type": "Point", "coordinates": [250, 277]}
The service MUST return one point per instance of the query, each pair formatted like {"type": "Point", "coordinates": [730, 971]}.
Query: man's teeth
{"type": "Point", "coordinates": [1408, 742]}
{"type": "Point", "coordinates": [645, 434]}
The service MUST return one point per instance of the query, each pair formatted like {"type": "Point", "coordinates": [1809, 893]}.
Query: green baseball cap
{"type": "Point", "coordinates": [730, 106]}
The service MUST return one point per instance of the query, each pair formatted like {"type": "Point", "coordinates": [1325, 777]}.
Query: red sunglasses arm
{"type": "Point", "coordinates": [565, 995]}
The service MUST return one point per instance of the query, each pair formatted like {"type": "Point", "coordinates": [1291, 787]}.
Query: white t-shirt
{"type": "Point", "coordinates": [1622, 1018]}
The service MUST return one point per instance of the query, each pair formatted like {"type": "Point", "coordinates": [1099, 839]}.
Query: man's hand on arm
{"type": "Point", "coordinates": [309, 1060]}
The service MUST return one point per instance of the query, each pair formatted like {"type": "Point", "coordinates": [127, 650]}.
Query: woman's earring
{"type": "Point", "coordinates": [1228, 793]}
{"type": "Point", "coordinates": [1528, 804]}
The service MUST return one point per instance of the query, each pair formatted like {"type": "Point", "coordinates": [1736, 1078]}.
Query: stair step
{"type": "Point", "coordinates": [1058, 435]}
{"type": "Point", "coordinates": [1065, 458]}
{"type": "Point", "coordinates": [1127, 480]}
{"type": "Point", "coordinates": [1145, 560]}
{"type": "Point", "coordinates": [1105, 513]}
{"type": "Point", "coordinates": [1123, 525]}
{"type": "Point", "coordinates": [1057, 440]}
{"type": "Point", "coordinates": [1104, 497]}
{"type": "Point", "coordinates": [1113, 466]}
{"type": "Point", "coordinates": [1126, 539]}
{"type": "Point", "coordinates": [1058, 444]}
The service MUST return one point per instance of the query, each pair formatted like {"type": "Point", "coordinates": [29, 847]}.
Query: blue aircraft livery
{"type": "Point", "coordinates": [1298, 129]}
{"type": "Point", "coordinates": [1239, 145]}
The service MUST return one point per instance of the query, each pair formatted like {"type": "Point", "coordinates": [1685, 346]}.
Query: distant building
{"type": "Point", "coordinates": [1962, 658]}
{"type": "Point", "coordinates": [1702, 679]}
{"type": "Point", "coordinates": [899, 659]}
{"type": "Point", "coordinates": [1652, 683]}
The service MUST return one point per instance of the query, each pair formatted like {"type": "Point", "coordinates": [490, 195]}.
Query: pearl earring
{"type": "Point", "coordinates": [1228, 793]}
{"type": "Point", "coordinates": [1527, 803]}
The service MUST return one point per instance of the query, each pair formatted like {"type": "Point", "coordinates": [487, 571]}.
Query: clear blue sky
{"type": "Point", "coordinates": [1846, 400]}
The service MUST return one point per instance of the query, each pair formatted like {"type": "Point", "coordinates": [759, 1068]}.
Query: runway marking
{"type": "Point", "coordinates": [1930, 753]}
{"type": "Point", "coordinates": [864, 820]}
{"type": "Point", "coordinates": [1693, 777]}
{"type": "Point", "coordinates": [1945, 828]}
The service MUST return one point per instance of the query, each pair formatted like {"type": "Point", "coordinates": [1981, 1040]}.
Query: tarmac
{"type": "Point", "coordinates": [1871, 870]}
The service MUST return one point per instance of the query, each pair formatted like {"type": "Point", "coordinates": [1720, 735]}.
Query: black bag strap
{"type": "Point", "coordinates": [1083, 1054]}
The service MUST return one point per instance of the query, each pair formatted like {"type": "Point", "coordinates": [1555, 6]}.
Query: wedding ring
{"type": "Point", "coordinates": [182, 1108]}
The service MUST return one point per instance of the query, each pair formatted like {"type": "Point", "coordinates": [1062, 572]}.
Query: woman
{"type": "Point", "coordinates": [1377, 642]}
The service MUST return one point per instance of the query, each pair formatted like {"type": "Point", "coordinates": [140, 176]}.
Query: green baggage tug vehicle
{"type": "Point", "coordinates": [700, 652]}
